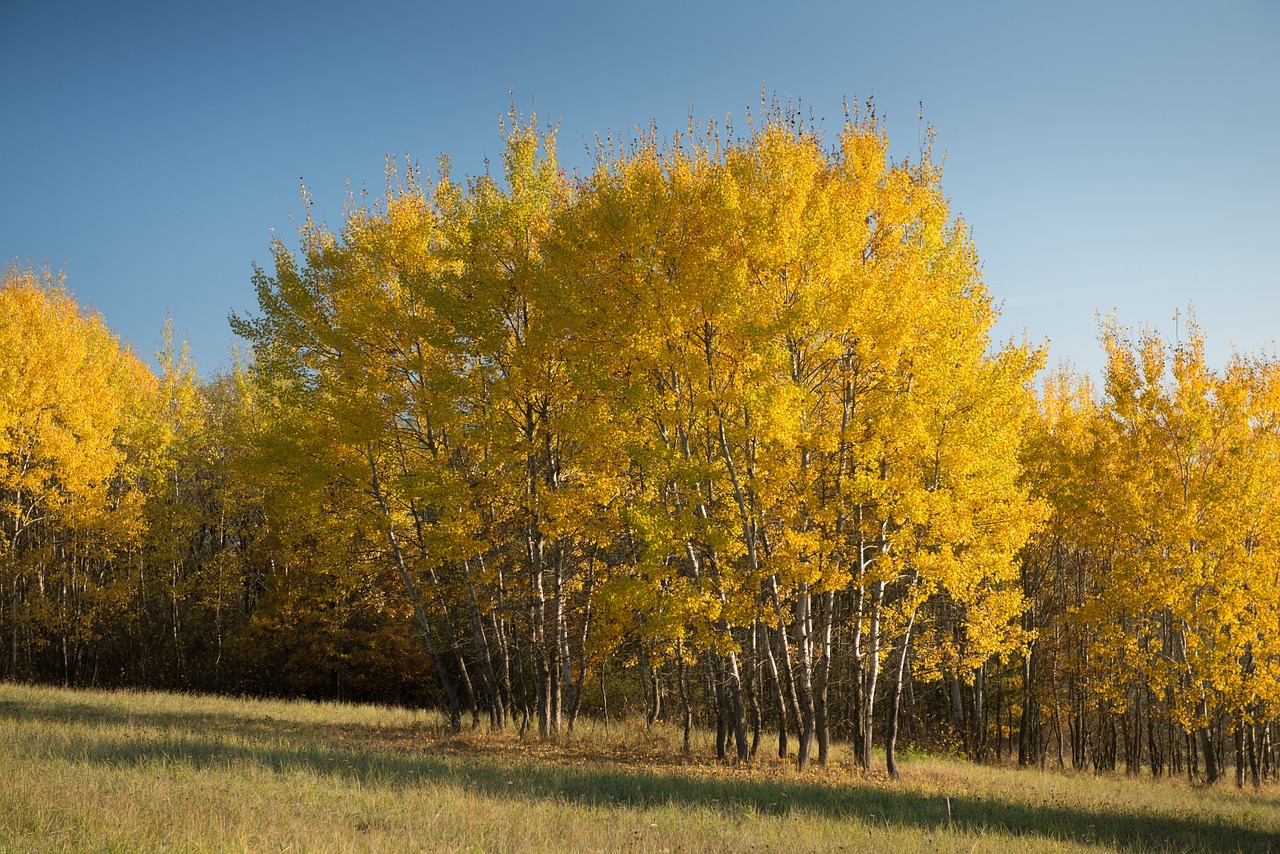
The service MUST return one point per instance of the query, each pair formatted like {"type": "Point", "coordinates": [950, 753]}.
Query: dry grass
{"type": "Point", "coordinates": [146, 771]}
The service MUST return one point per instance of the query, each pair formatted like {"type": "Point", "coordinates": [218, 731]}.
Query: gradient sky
{"type": "Point", "coordinates": [1106, 154]}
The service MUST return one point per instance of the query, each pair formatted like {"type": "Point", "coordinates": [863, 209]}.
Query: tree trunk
{"type": "Point", "coordinates": [749, 538]}
{"type": "Point", "coordinates": [1238, 737]}
{"type": "Point", "coordinates": [561, 675]}
{"type": "Point", "coordinates": [804, 654]}
{"type": "Point", "coordinates": [681, 675]}
{"type": "Point", "coordinates": [895, 702]}
{"type": "Point", "coordinates": [1251, 744]}
{"type": "Point", "coordinates": [717, 692]}
{"type": "Point", "coordinates": [1027, 738]}
{"type": "Point", "coordinates": [655, 684]}
{"type": "Point", "coordinates": [604, 700]}
{"type": "Point", "coordinates": [505, 683]}
{"type": "Point", "coordinates": [823, 677]}
{"type": "Point", "coordinates": [580, 685]}
{"type": "Point", "coordinates": [1211, 773]}
{"type": "Point", "coordinates": [739, 711]}
{"type": "Point", "coordinates": [650, 694]}
{"type": "Point", "coordinates": [871, 677]}
{"type": "Point", "coordinates": [979, 713]}
{"type": "Point", "coordinates": [784, 651]}
{"type": "Point", "coordinates": [451, 695]}
{"type": "Point", "coordinates": [497, 710]}
{"type": "Point", "coordinates": [13, 628]}
{"type": "Point", "coordinates": [542, 672]}
{"type": "Point", "coordinates": [779, 702]}
{"type": "Point", "coordinates": [753, 691]}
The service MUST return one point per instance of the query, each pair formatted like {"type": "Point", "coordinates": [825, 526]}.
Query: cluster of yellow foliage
{"type": "Point", "coordinates": [721, 392]}
{"type": "Point", "coordinates": [1164, 500]}
{"type": "Point", "coordinates": [725, 410]}
{"type": "Point", "coordinates": [73, 434]}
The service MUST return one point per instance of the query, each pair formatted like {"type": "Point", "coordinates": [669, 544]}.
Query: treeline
{"type": "Point", "coordinates": [140, 548]}
{"type": "Point", "coordinates": [718, 429]}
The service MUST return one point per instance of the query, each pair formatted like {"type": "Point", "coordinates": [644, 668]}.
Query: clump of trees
{"type": "Point", "coordinates": [1154, 587]}
{"type": "Point", "coordinates": [143, 543]}
{"type": "Point", "coordinates": [724, 398]}
{"type": "Point", "coordinates": [721, 419]}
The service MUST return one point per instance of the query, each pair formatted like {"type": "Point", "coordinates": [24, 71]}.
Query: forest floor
{"type": "Point", "coordinates": [149, 771]}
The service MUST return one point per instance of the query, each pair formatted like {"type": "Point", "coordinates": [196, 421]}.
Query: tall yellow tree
{"type": "Point", "coordinates": [71, 399]}
{"type": "Point", "coordinates": [1189, 493]}
{"type": "Point", "coordinates": [800, 348]}
{"type": "Point", "coordinates": [349, 344]}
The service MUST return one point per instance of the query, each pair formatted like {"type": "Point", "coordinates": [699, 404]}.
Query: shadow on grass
{"type": "Point", "coordinates": [213, 739]}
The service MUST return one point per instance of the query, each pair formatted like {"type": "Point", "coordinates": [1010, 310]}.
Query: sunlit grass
{"type": "Point", "coordinates": [146, 771]}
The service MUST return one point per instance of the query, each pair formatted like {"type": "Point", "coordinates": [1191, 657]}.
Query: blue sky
{"type": "Point", "coordinates": [1106, 154]}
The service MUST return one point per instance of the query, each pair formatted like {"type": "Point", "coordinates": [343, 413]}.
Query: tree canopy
{"type": "Point", "coordinates": [718, 425]}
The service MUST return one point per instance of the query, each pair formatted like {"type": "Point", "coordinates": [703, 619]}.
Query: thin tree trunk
{"type": "Point", "coordinates": [1251, 745]}
{"type": "Point", "coordinates": [736, 705]}
{"type": "Point", "coordinates": [823, 677]}
{"type": "Point", "coordinates": [979, 713]}
{"type": "Point", "coordinates": [717, 693]}
{"type": "Point", "coordinates": [451, 695]}
{"type": "Point", "coordinates": [505, 682]}
{"type": "Point", "coordinates": [535, 550]}
{"type": "Point", "coordinates": [1030, 711]}
{"type": "Point", "coordinates": [780, 703]}
{"type": "Point", "coordinates": [650, 694]}
{"type": "Point", "coordinates": [561, 677]}
{"type": "Point", "coordinates": [580, 685]}
{"type": "Point", "coordinates": [1211, 773]}
{"type": "Point", "coordinates": [895, 702]}
{"type": "Point", "coordinates": [731, 658]}
{"type": "Point", "coordinates": [13, 626]}
{"type": "Point", "coordinates": [1238, 737]}
{"type": "Point", "coordinates": [753, 691]}
{"type": "Point", "coordinates": [684, 697]}
{"type": "Point", "coordinates": [804, 653]}
{"type": "Point", "coordinates": [872, 676]}
{"type": "Point", "coordinates": [604, 700]}
{"type": "Point", "coordinates": [497, 711]}
{"type": "Point", "coordinates": [784, 651]}
{"type": "Point", "coordinates": [537, 630]}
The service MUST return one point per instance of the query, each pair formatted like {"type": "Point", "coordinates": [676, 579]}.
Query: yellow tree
{"type": "Point", "coordinates": [883, 457]}
{"type": "Point", "coordinates": [1061, 455]}
{"type": "Point", "coordinates": [647, 243]}
{"type": "Point", "coordinates": [747, 374]}
{"type": "Point", "coordinates": [350, 347]}
{"type": "Point", "coordinates": [534, 430]}
{"type": "Point", "coordinates": [1188, 494]}
{"type": "Point", "coordinates": [70, 401]}
{"type": "Point", "coordinates": [800, 359]}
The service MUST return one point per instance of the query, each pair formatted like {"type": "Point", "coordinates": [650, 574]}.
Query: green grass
{"type": "Point", "coordinates": [146, 771]}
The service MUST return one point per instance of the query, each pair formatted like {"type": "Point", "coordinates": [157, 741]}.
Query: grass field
{"type": "Point", "coordinates": [146, 771]}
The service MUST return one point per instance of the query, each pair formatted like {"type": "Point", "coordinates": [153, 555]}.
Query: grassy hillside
{"type": "Point", "coordinates": [122, 771]}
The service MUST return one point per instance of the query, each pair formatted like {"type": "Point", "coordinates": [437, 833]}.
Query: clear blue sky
{"type": "Point", "coordinates": [1107, 154]}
